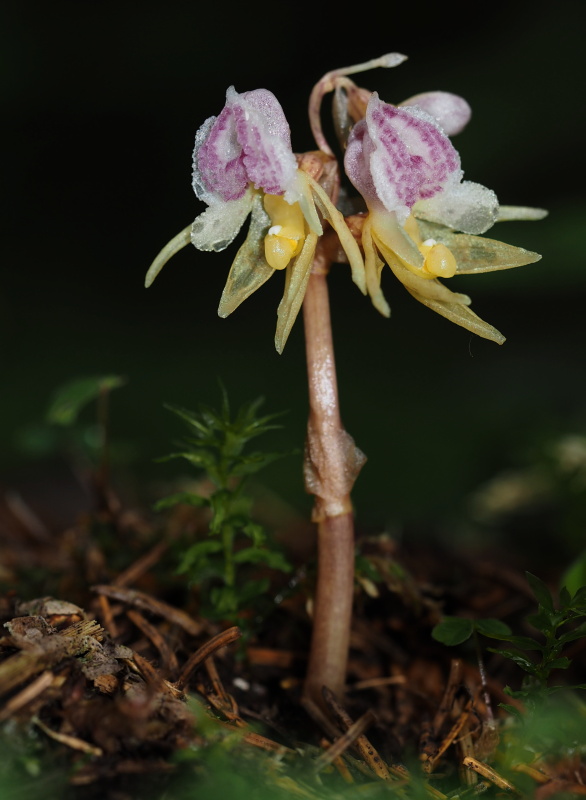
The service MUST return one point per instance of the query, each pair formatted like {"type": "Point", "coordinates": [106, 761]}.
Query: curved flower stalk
{"type": "Point", "coordinates": [243, 165]}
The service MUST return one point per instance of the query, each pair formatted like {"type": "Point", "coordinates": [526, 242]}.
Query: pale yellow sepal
{"type": "Point", "coordinates": [396, 239]}
{"type": "Point", "coordinates": [373, 266]}
{"type": "Point", "coordinates": [296, 278]}
{"type": "Point", "coordinates": [249, 270]}
{"type": "Point", "coordinates": [430, 288]}
{"type": "Point", "coordinates": [527, 213]}
{"type": "Point", "coordinates": [304, 191]}
{"type": "Point", "coordinates": [338, 223]}
{"type": "Point", "coordinates": [476, 254]}
{"type": "Point", "coordinates": [176, 244]}
{"type": "Point", "coordinates": [461, 315]}
{"type": "Point", "coordinates": [433, 294]}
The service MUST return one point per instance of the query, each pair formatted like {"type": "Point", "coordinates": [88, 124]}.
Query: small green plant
{"type": "Point", "coordinates": [64, 427]}
{"type": "Point", "coordinates": [557, 626]}
{"type": "Point", "coordinates": [225, 564]}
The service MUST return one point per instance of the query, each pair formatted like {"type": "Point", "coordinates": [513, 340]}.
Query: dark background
{"type": "Point", "coordinates": [101, 101]}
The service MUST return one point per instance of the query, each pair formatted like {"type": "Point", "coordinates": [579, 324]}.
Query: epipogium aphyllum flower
{"type": "Point", "coordinates": [243, 165]}
{"type": "Point", "coordinates": [422, 218]}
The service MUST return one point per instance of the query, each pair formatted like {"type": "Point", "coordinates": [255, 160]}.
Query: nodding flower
{"type": "Point", "coordinates": [243, 165]}
{"type": "Point", "coordinates": [422, 218]}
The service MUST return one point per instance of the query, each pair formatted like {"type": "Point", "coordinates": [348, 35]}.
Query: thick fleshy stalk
{"type": "Point", "coordinates": [332, 463]}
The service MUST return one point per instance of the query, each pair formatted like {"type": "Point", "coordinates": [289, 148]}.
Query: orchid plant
{"type": "Point", "coordinates": [413, 211]}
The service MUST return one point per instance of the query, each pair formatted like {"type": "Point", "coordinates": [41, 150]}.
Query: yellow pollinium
{"type": "Point", "coordinates": [439, 259]}
{"type": "Point", "coordinates": [287, 232]}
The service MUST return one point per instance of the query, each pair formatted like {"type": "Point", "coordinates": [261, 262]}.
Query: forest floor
{"type": "Point", "coordinates": [114, 685]}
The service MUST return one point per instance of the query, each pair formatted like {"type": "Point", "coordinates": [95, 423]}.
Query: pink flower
{"type": "Point", "coordinates": [243, 165]}
{"type": "Point", "coordinates": [398, 157]}
{"type": "Point", "coordinates": [248, 143]}
{"type": "Point", "coordinates": [422, 216]}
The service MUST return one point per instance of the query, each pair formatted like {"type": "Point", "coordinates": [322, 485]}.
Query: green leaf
{"type": "Point", "coordinates": [563, 688]}
{"type": "Point", "coordinates": [224, 600]}
{"type": "Point", "coordinates": [199, 459]}
{"type": "Point", "coordinates": [558, 663]}
{"type": "Point", "coordinates": [493, 628]}
{"type": "Point", "coordinates": [579, 599]}
{"type": "Point", "coordinates": [453, 630]}
{"type": "Point", "coordinates": [574, 577]}
{"type": "Point", "coordinates": [256, 555]}
{"type": "Point", "coordinates": [365, 567]}
{"type": "Point", "coordinates": [571, 636]}
{"type": "Point", "coordinates": [196, 556]}
{"type": "Point", "coordinates": [228, 600]}
{"type": "Point", "coordinates": [513, 710]}
{"type": "Point", "coordinates": [517, 658]}
{"type": "Point", "coordinates": [543, 621]}
{"type": "Point", "coordinates": [255, 532]}
{"type": "Point", "coordinates": [188, 498]}
{"type": "Point", "coordinates": [524, 642]}
{"type": "Point", "coordinates": [565, 597]}
{"type": "Point", "coordinates": [541, 592]}
{"type": "Point", "coordinates": [251, 590]}
{"type": "Point", "coordinates": [72, 397]}
{"type": "Point", "coordinates": [255, 462]}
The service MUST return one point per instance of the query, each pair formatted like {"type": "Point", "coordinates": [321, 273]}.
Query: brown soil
{"type": "Point", "coordinates": [103, 646]}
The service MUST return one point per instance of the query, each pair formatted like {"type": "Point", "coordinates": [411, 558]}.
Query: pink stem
{"type": "Point", "coordinates": [331, 464]}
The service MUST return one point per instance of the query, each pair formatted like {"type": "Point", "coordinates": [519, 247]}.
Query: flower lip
{"type": "Point", "coordinates": [249, 142]}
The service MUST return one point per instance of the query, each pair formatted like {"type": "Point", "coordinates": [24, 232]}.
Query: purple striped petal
{"type": "Point", "coordinates": [357, 162]}
{"type": "Point", "coordinates": [218, 172]}
{"type": "Point", "coordinates": [249, 142]}
{"type": "Point", "coordinates": [263, 132]}
{"type": "Point", "coordinates": [450, 111]}
{"type": "Point", "coordinates": [405, 153]}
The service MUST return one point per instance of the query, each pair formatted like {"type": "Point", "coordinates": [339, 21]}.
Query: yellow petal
{"type": "Point", "coordinates": [387, 230]}
{"type": "Point", "coordinates": [249, 270]}
{"type": "Point", "coordinates": [296, 278]}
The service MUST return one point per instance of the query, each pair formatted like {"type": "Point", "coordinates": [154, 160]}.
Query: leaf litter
{"type": "Point", "coordinates": [135, 695]}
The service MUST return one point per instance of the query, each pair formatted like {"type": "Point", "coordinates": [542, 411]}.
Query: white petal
{"type": "Point", "coordinates": [468, 207]}
{"type": "Point", "coordinates": [451, 111]}
{"type": "Point", "coordinates": [219, 224]}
